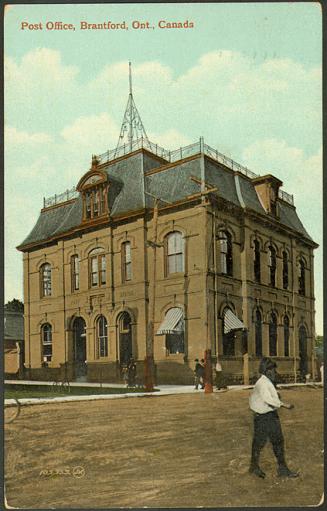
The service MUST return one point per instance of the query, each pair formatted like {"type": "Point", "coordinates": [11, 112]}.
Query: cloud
{"type": "Point", "coordinates": [170, 139]}
{"type": "Point", "coordinates": [13, 138]}
{"type": "Point", "coordinates": [94, 133]}
{"type": "Point", "coordinates": [265, 114]}
{"type": "Point", "coordinates": [289, 163]}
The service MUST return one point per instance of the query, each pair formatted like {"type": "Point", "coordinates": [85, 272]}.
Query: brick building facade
{"type": "Point", "coordinates": [233, 270]}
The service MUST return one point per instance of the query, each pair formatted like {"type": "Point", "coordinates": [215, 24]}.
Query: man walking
{"type": "Point", "coordinates": [264, 402]}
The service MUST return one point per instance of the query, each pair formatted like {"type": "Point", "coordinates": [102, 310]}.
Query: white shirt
{"type": "Point", "coordinates": [264, 397]}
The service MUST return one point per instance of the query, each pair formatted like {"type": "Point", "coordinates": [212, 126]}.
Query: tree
{"type": "Point", "coordinates": [15, 305]}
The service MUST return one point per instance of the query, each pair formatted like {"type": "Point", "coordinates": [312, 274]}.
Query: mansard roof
{"type": "Point", "coordinates": [136, 177]}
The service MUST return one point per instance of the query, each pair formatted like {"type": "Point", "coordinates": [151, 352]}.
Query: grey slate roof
{"type": "Point", "coordinates": [14, 326]}
{"type": "Point", "coordinates": [173, 184]}
{"type": "Point", "coordinates": [128, 182]}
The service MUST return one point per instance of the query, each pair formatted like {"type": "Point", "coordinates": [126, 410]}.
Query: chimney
{"type": "Point", "coordinates": [267, 190]}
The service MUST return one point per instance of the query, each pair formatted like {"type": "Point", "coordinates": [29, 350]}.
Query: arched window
{"type": "Point", "coordinates": [273, 335]}
{"type": "Point", "coordinates": [74, 268]}
{"type": "Point", "coordinates": [258, 333]}
{"type": "Point", "coordinates": [226, 253]}
{"type": "Point", "coordinates": [256, 261]}
{"type": "Point", "coordinates": [285, 270]}
{"type": "Point", "coordinates": [102, 337]}
{"type": "Point", "coordinates": [97, 267]}
{"type": "Point", "coordinates": [94, 199]}
{"type": "Point", "coordinates": [303, 350]}
{"type": "Point", "coordinates": [272, 265]}
{"type": "Point", "coordinates": [301, 276]}
{"type": "Point", "coordinates": [286, 336]}
{"type": "Point", "coordinates": [228, 337]}
{"type": "Point", "coordinates": [175, 252]}
{"type": "Point", "coordinates": [126, 261]}
{"type": "Point", "coordinates": [173, 328]}
{"type": "Point", "coordinates": [45, 274]}
{"type": "Point", "coordinates": [46, 336]}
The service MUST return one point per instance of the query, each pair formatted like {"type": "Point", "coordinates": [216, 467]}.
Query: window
{"type": "Point", "coordinates": [226, 253]}
{"type": "Point", "coordinates": [88, 204]}
{"type": "Point", "coordinates": [273, 335]}
{"type": "Point", "coordinates": [126, 262]}
{"type": "Point", "coordinates": [286, 336]}
{"type": "Point", "coordinates": [46, 335]}
{"type": "Point", "coordinates": [74, 265]}
{"type": "Point", "coordinates": [45, 279]}
{"type": "Point", "coordinates": [102, 337]}
{"type": "Point", "coordinates": [256, 261]}
{"type": "Point", "coordinates": [258, 333]}
{"type": "Point", "coordinates": [228, 338]}
{"type": "Point", "coordinates": [97, 266]}
{"type": "Point", "coordinates": [285, 270]}
{"type": "Point", "coordinates": [301, 275]}
{"type": "Point", "coordinates": [95, 204]}
{"type": "Point", "coordinates": [272, 265]}
{"type": "Point", "coordinates": [175, 336]}
{"type": "Point", "coordinates": [175, 253]}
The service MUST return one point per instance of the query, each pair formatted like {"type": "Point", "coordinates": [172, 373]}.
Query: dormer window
{"type": "Point", "coordinates": [94, 189]}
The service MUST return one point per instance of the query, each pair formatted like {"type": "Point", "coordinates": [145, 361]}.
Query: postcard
{"type": "Point", "coordinates": [163, 255]}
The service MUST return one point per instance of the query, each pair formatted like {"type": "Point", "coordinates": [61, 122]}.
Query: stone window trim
{"type": "Point", "coordinates": [46, 342]}
{"type": "Point", "coordinates": [75, 272]}
{"type": "Point", "coordinates": [174, 253]}
{"type": "Point", "coordinates": [45, 280]}
{"type": "Point", "coordinates": [126, 261]}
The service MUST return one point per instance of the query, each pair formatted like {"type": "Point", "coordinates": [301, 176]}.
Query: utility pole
{"type": "Point", "coordinates": [208, 387]}
{"type": "Point", "coordinates": [149, 358]}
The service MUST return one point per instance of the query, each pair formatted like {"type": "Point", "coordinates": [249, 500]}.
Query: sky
{"type": "Point", "coordinates": [246, 77]}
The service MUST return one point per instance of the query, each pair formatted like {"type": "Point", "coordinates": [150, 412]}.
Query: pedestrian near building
{"type": "Point", "coordinates": [264, 402]}
{"type": "Point", "coordinates": [219, 376]}
{"type": "Point", "coordinates": [198, 374]}
{"type": "Point", "coordinates": [125, 375]}
{"type": "Point", "coordinates": [202, 372]}
{"type": "Point", "coordinates": [131, 373]}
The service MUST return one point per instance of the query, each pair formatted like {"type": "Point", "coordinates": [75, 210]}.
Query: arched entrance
{"type": "Point", "coordinates": [79, 334]}
{"type": "Point", "coordinates": [125, 338]}
{"type": "Point", "coordinates": [303, 351]}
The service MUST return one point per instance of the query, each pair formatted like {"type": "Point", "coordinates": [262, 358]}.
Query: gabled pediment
{"type": "Point", "coordinates": [91, 179]}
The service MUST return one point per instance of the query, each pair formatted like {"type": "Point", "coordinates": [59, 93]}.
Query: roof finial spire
{"type": "Point", "coordinates": [132, 127]}
{"type": "Point", "coordinates": [130, 79]}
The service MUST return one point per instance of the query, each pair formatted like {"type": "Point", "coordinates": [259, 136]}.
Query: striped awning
{"type": "Point", "coordinates": [173, 322]}
{"type": "Point", "coordinates": [231, 322]}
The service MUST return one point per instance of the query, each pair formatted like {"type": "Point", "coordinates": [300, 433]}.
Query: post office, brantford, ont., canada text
{"type": "Point", "coordinates": [106, 25]}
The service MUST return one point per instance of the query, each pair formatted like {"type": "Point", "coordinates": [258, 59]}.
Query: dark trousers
{"type": "Point", "coordinates": [267, 427]}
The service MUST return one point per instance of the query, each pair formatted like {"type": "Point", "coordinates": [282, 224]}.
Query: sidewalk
{"type": "Point", "coordinates": [164, 390]}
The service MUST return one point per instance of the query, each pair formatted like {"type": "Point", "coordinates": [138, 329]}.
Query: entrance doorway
{"type": "Point", "coordinates": [125, 338]}
{"type": "Point", "coordinates": [303, 351]}
{"type": "Point", "coordinates": [79, 330]}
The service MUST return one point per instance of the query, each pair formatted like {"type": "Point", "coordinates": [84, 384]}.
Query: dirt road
{"type": "Point", "coordinates": [175, 451]}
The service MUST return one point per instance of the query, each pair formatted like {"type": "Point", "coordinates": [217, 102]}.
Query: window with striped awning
{"type": "Point", "coordinates": [232, 322]}
{"type": "Point", "coordinates": [173, 322]}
